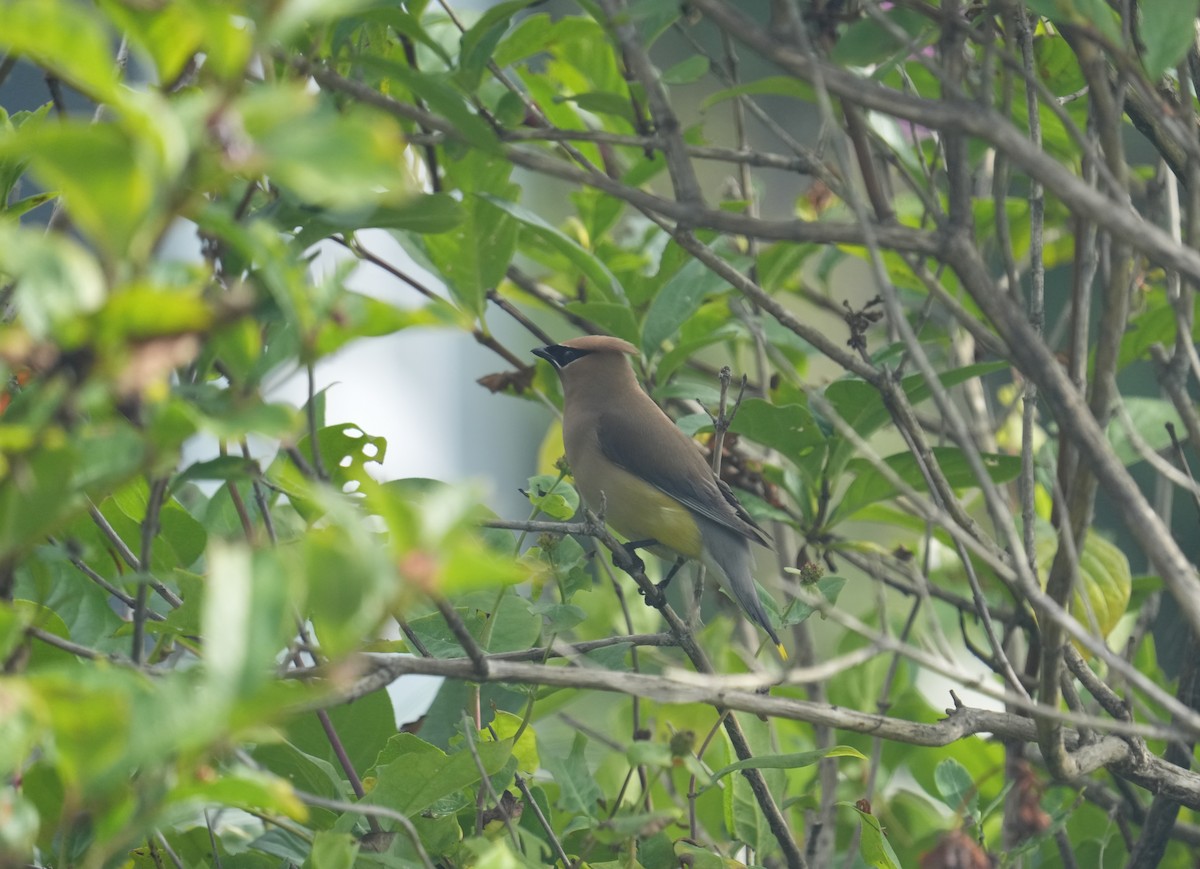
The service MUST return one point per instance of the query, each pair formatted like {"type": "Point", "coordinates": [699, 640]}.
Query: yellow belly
{"type": "Point", "coordinates": [639, 511]}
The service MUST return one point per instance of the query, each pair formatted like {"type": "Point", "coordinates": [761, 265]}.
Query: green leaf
{"type": "Point", "coordinates": [358, 316]}
{"type": "Point", "coordinates": [474, 256]}
{"type": "Point", "coordinates": [525, 750]}
{"type": "Point", "coordinates": [479, 42]}
{"type": "Point", "coordinates": [220, 468]}
{"type": "Point", "coordinates": [684, 853]}
{"type": "Point", "coordinates": [875, 849]}
{"type": "Point", "coordinates": [107, 458]}
{"type": "Point", "coordinates": [652, 18]}
{"type": "Point", "coordinates": [140, 312]}
{"type": "Point", "coordinates": [346, 450]}
{"type": "Point", "coordinates": [170, 34]}
{"type": "Point", "coordinates": [407, 24]}
{"type": "Point", "coordinates": [309, 761]}
{"type": "Point", "coordinates": [345, 611]}
{"type": "Point", "coordinates": [1104, 583]}
{"type": "Point", "coordinates": [957, 788]}
{"type": "Point", "coordinates": [68, 38]}
{"type": "Point", "coordinates": [778, 85]}
{"type": "Point", "coordinates": [743, 815]}
{"type": "Point", "coordinates": [785, 761]}
{"type": "Point", "coordinates": [790, 429]}
{"type": "Point", "coordinates": [347, 161]}
{"type": "Point", "coordinates": [1168, 29]}
{"type": "Point", "coordinates": [283, 844]}
{"type": "Point", "coordinates": [687, 71]}
{"type": "Point", "coordinates": [18, 834]}
{"type": "Point", "coordinates": [566, 559]}
{"type": "Point", "coordinates": [710, 324]}
{"type": "Point", "coordinates": [303, 771]}
{"type": "Point", "coordinates": [12, 629]}
{"type": "Point", "coordinates": [587, 262]}
{"type": "Point", "coordinates": [55, 277]}
{"type": "Point", "coordinates": [296, 15]}
{"type": "Point", "coordinates": [1091, 14]}
{"type": "Point", "coordinates": [612, 317]}
{"type": "Point", "coordinates": [870, 486]}
{"type": "Point", "coordinates": [868, 42]}
{"type": "Point", "coordinates": [1157, 323]}
{"type": "Point", "coordinates": [560, 617]}
{"type": "Point", "coordinates": [26, 204]}
{"type": "Point", "coordinates": [512, 627]}
{"type": "Point", "coordinates": [537, 34]}
{"type": "Point", "coordinates": [247, 619]}
{"type": "Point", "coordinates": [243, 789]}
{"type": "Point", "coordinates": [1057, 66]}
{"type": "Point", "coordinates": [435, 537]}
{"type": "Point", "coordinates": [677, 301]}
{"type": "Point", "coordinates": [603, 103]}
{"type": "Point", "coordinates": [40, 616]}
{"type": "Point", "coordinates": [578, 792]}
{"type": "Point", "coordinates": [1150, 418]}
{"type": "Point", "coordinates": [829, 587]}
{"type": "Point", "coordinates": [83, 607]}
{"type": "Point", "coordinates": [332, 850]}
{"type": "Point", "coordinates": [553, 496]}
{"type": "Point", "coordinates": [119, 202]}
{"type": "Point", "coordinates": [225, 414]}
{"type": "Point", "coordinates": [862, 407]}
{"type": "Point", "coordinates": [426, 213]}
{"type": "Point", "coordinates": [412, 775]}
{"type": "Point", "coordinates": [11, 168]}
{"type": "Point", "coordinates": [184, 536]}
{"type": "Point", "coordinates": [35, 497]}
{"type": "Point", "coordinates": [440, 94]}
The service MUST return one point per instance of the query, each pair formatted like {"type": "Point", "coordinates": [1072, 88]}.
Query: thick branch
{"type": "Point", "coordinates": [1111, 751]}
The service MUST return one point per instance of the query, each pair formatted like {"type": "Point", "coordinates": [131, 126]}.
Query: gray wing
{"type": "Point", "coordinates": [671, 462]}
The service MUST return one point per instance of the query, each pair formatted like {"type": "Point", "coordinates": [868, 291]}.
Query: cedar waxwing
{"type": "Point", "coordinates": [657, 488]}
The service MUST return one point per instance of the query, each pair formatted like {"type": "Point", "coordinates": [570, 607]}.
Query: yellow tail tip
{"type": "Point", "coordinates": [781, 650]}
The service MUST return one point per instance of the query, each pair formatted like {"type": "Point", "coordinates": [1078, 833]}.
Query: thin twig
{"type": "Point", "coordinates": [372, 811]}
{"type": "Point", "coordinates": [150, 526]}
{"type": "Point", "coordinates": [486, 782]}
{"type": "Point", "coordinates": [66, 645]}
{"type": "Point", "coordinates": [545, 824]}
{"type": "Point", "coordinates": [459, 629]}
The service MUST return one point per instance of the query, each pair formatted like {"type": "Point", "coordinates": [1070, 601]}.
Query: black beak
{"type": "Point", "coordinates": [560, 355]}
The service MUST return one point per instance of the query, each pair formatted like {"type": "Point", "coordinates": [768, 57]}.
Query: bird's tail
{"type": "Point", "coordinates": [727, 554]}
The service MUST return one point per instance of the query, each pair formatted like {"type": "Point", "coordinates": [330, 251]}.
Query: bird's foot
{"type": "Point", "coordinates": [662, 584]}
{"type": "Point", "coordinates": [653, 595]}
{"type": "Point", "coordinates": [631, 548]}
{"type": "Point", "coordinates": [636, 565]}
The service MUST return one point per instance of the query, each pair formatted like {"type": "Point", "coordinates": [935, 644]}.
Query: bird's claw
{"type": "Point", "coordinates": [636, 564]}
{"type": "Point", "coordinates": [654, 596]}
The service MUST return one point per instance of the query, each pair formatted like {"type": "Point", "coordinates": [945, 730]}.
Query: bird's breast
{"type": "Point", "coordinates": [636, 509]}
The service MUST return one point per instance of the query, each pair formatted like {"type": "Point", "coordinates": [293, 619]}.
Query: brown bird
{"type": "Point", "coordinates": [656, 487]}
